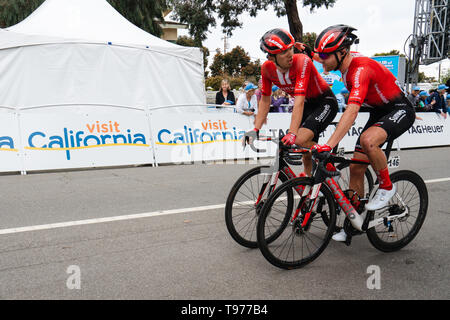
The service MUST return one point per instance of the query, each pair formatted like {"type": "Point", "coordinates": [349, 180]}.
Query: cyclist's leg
{"type": "Point", "coordinates": [357, 173]}
{"type": "Point", "coordinates": [390, 126]}
{"type": "Point", "coordinates": [317, 116]}
{"type": "Point", "coordinates": [305, 139]}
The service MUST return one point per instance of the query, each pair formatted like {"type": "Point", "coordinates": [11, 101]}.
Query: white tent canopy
{"type": "Point", "coordinates": [85, 52]}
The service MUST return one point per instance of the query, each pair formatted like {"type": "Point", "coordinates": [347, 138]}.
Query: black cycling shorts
{"type": "Point", "coordinates": [395, 120]}
{"type": "Point", "coordinates": [318, 113]}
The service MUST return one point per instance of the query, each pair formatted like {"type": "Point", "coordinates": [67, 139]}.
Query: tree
{"type": "Point", "coordinates": [309, 39]}
{"type": "Point", "coordinates": [445, 77]}
{"type": "Point", "coordinates": [145, 13]}
{"type": "Point", "coordinates": [231, 64]}
{"type": "Point", "coordinates": [199, 14]}
{"type": "Point", "coordinates": [252, 70]}
{"type": "Point", "coordinates": [390, 53]}
{"type": "Point", "coordinates": [217, 66]}
{"type": "Point", "coordinates": [14, 11]}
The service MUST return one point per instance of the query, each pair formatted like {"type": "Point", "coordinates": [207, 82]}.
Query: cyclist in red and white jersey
{"type": "Point", "coordinates": [391, 112]}
{"type": "Point", "coordinates": [315, 105]}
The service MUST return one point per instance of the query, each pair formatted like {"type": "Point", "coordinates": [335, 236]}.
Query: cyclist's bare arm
{"type": "Point", "coordinates": [345, 123]}
{"type": "Point", "coordinates": [297, 114]}
{"type": "Point", "coordinates": [263, 110]}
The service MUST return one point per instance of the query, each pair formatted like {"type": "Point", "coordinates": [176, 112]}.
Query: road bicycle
{"type": "Point", "coordinates": [311, 225]}
{"type": "Point", "coordinates": [251, 190]}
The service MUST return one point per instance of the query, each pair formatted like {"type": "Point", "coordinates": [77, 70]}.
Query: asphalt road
{"type": "Point", "coordinates": [188, 254]}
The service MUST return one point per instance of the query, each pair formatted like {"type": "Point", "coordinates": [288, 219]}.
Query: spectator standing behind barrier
{"type": "Point", "coordinates": [437, 101]}
{"type": "Point", "coordinates": [247, 103]}
{"type": "Point", "coordinates": [413, 97]}
{"type": "Point", "coordinates": [225, 96]}
{"type": "Point", "coordinates": [342, 99]}
{"type": "Point", "coordinates": [279, 98]}
{"type": "Point", "coordinates": [423, 105]}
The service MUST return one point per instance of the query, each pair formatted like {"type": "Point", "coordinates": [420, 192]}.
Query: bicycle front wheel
{"type": "Point", "coordinates": [411, 195]}
{"type": "Point", "coordinates": [295, 244]}
{"type": "Point", "coordinates": [244, 204]}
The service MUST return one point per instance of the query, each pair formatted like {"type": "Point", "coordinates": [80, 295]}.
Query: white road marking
{"type": "Point", "coordinates": [437, 180]}
{"type": "Point", "coordinates": [134, 216]}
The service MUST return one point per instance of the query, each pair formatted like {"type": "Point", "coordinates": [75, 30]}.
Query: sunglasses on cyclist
{"type": "Point", "coordinates": [324, 56]}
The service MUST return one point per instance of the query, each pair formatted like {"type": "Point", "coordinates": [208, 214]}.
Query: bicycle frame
{"type": "Point", "coordinates": [273, 173]}
{"type": "Point", "coordinates": [281, 164]}
{"type": "Point", "coordinates": [355, 218]}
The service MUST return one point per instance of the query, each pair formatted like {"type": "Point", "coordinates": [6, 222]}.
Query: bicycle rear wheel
{"type": "Point", "coordinates": [411, 194]}
{"type": "Point", "coordinates": [242, 208]}
{"type": "Point", "coordinates": [293, 245]}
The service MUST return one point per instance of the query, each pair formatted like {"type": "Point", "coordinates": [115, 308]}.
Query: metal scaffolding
{"type": "Point", "coordinates": [431, 37]}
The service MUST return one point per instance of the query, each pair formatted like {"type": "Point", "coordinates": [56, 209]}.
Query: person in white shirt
{"type": "Point", "coordinates": [247, 102]}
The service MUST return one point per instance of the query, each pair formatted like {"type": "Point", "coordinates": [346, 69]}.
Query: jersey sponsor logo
{"type": "Point", "coordinates": [305, 64]}
{"type": "Point", "coordinates": [380, 94]}
{"type": "Point", "coordinates": [398, 116]}
{"type": "Point", "coordinates": [327, 40]}
{"type": "Point", "coordinates": [288, 89]}
{"type": "Point", "coordinates": [357, 76]}
{"type": "Point", "coordinates": [324, 114]}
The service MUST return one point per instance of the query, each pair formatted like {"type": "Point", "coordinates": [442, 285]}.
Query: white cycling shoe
{"type": "Point", "coordinates": [340, 236]}
{"type": "Point", "coordinates": [381, 198]}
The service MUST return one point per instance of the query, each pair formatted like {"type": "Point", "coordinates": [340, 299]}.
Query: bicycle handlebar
{"type": "Point", "coordinates": [324, 158]}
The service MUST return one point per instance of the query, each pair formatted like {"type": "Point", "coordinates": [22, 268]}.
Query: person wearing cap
{"type": "Point", "coordinates": [423, 106]}
{"type": "Point", "coordinates": [414, 96]}
{"type": "Point", "coordinates": [279, 99]}
{"type": "Point", "coordinates": [247, 103]}
{"type": "Point", "coordinates": [342, 99]}
{"type": "Point", "coordinates": [437, 101]}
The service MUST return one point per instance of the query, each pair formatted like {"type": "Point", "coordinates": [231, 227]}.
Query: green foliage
{"type": "Point", "coordinates": [309, 39]}
{"type": "Point", "coordinates": [215, 81]}
{"type": "Point", "coordinates": [445, 77]}
{"type": "Point", "coordinates": [145, 13]}
{"type": "Point", "coordinates": [390, 53]}
{"type": "Point", "coordinates": [14, 11]}
{"type": "Point", "coordinates": [235, 63]}
{"type": "Point", "coordinates": [199, 14]}
{"type": "Point", "coordinates": [141, 13]}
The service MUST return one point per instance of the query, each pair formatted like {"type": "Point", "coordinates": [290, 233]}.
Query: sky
{"type": "Point", "coordinates": [383, 25]}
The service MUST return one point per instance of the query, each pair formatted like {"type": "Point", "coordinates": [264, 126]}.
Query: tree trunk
{"type": "Point", "coordinates": [295, 25]}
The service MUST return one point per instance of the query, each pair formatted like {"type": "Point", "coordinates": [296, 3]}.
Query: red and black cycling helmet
{"type": "Point", "coordinates": [335, 38]}
{"type": "Point", "coordinates": [276, 41]}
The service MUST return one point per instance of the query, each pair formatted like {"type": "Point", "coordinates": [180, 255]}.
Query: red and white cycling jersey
{"type": "Point", "coordinates": [370, 82]}
{"type": "Point", "coordinates": [302, 79]}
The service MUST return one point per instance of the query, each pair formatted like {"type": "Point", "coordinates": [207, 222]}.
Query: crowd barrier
{"type": "Point", "coordinates": [87, 136]}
